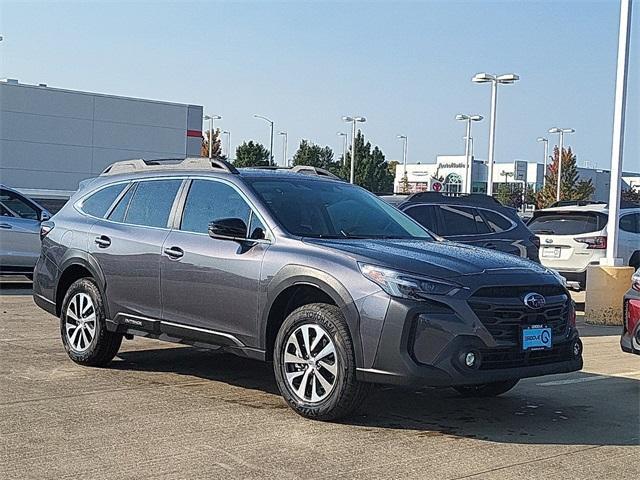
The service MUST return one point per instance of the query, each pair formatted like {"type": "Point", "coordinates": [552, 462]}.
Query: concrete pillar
{"type": "Point", "coordinates": [604, 291]}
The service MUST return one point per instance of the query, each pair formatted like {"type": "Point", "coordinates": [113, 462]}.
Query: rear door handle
{"type": "Point", "coordinates": [6, 226]}
{"type": "Point", "coordinates": [174, 252]}
{"type": "Point", "coordinates": [103, 241]}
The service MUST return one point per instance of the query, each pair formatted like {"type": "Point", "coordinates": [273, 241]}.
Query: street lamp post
{"type": "Point", "coordinates": [353, 121]}
{"type": "Point", "coordinates": [404, 152]}
{"type": "Point", "coordinates": [546, 155]}
{"type": "Point", "coordinates": [344, 146]}
{"type": "Point", "coordinates": [560, 132]}
{"type": "Point", "coordinates": [270, 122]}
{"type": "Point", "coordinates": [467, 149]}
{"type": "Point", "coordinates": [506, 78]}
{"type": "Point", "coordinates": [211, 119]}
{"type": "Point", "coordinates": [228, 134]}
{"type": "Point", "coordinates": [285, 146]}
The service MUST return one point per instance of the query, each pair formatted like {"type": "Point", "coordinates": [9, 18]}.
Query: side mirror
{"type": "Point", "coordinates": [228, 229]}
{"type": "Point", "coordinates": [44, 216]}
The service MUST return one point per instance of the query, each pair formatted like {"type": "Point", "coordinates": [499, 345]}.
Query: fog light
{"type": "Point", "coordinates": [470, 359]}
{"type": "Point", "coordinates": [577, 348]}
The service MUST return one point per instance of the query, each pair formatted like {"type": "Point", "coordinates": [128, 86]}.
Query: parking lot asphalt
{"type": "Point", "coordinates": [167, 411]}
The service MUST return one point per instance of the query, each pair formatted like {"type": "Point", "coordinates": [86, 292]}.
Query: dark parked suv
{"type": "Point", "coordinates": [474, 219]}
{"type": "Point", "coordinates": [334, 286]}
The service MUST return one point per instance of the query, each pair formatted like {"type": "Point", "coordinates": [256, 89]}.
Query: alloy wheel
{"type": "Point", "coordinates": [310, 363]}
{"type": "Point", "coordinates": [80, 322]}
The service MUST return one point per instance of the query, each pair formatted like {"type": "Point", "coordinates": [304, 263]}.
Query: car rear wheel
{"type": "Point", "coordinates": [314, 363]}
{"type": "Point", "coordinates": [83, 328]}
{"type": "Point", "coordinates": [486, 389]}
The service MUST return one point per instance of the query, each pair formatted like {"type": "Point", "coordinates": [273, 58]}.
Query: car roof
{"type": "Point", "coordinates": [595, 207]}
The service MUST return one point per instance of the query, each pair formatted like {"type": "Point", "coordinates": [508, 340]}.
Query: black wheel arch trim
{"type": "Point", "coordinates": [75, 257]}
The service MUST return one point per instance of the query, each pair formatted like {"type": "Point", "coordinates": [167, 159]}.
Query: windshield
{"type": "Point", "coordinates": [312, 208]}
{"type": "Point", "coordinates": [567, 223]}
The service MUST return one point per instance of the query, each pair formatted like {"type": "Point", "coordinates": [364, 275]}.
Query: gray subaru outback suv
{"type": "Point", "coordinates": [335, 287]}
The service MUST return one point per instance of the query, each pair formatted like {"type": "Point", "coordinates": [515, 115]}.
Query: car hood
{"type": "Point", "coordinates": [442, 259]}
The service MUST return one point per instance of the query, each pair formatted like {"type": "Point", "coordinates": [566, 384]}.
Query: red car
{"type": "Point", "coordinates": [630, 341]}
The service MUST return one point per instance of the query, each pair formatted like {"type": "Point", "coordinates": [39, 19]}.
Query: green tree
{"type": "Point", "coordinates": [313, 155]}
{"type": "Point", "coordinates": [571, 187]}
{"type": "Point", "coordinates": [216, 150]}
{"type": "Point", "coordinates": [251, 154]}
{"type": "Point", "coordinates": [371, 168]}
{"type": "Point", "coordinates": [509, 194]}
{"type": "Point", "coordinates": [630, 195]}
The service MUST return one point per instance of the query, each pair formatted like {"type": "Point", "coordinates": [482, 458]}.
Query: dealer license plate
{"type": "Point", "coordinates": [536, 338]}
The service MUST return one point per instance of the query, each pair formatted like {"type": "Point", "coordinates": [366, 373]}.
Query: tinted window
{"type": "Point", "coordinates": [4, 212]}
{"type": "Point", "coordinates": [461, 221]}
{"type": "Point", "coordinates": [496, 222]}
{"type": "Point", "coordinates": [256, 228]}
{"type": "Point", "coordinates": [118, 213]}
{"type": "Point", "coordinates": [208, 201]}
{"type": "Point", "coordinates": [15, 203]}
{"type": "Point", "coordinates": [98, 204]}
{"type": "Point", "coordinates": [425, 215]}
{"type": "Point", "coordinates": [311, 207]}
{"type": "Point", "coordinates": [567, 223]}
{"type": "Point", "coordinates": [630, 223]}
{"type": "Point", "coordinates": [151, 203]}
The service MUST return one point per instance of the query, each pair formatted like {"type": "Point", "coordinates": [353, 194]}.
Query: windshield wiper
{"type": "Point", "coordinates": [545, 232]}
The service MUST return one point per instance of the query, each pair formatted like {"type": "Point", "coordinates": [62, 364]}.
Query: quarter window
{"type": "Point", "coordinates": [630, 223]}
{"type": "Point", "coordinates": [208, 201]}
{"type": "Point", "coordinates": [97, 205]}
{"type": "Point", "coordinates": [151, 203]}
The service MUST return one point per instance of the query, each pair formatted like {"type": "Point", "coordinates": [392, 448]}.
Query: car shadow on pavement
{"type": "Point", "coordinates": [568, 414]}
{"type": "Point", "coordinates": [16, 288]}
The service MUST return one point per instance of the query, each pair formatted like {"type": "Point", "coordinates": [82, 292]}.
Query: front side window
{"type": "Point", "coordinates": [151, 203]}
{"type": "Point", "coordinates": [630, 223]}
{"type": "Point", "coordinates": [309, 207]}
{"type": "Point", "coordinates": [97, 205]}
{"type": "Point", "coordinates": [15, 203]}
{"type": "Point", "coordinates": [425, 215]}
{"type": "Point", "coordinates": [209, 201]}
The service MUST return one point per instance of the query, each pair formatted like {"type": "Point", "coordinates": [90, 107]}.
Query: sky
{"type": "Point", "coordinates": [405, 66]}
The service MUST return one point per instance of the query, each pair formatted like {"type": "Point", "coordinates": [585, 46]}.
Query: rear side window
{"type": "Point", "coordinates": [208, 201]}
{"type": "Point", "coordinates": [497, 223]}
{"type": "Point", "coordinates": [151, 203]}
{"type": "Point", "coordinates": [567, 223]}
{"type": "Point", "coordinates": [18, 205]}
{"type": "Point", "coordinates": [97, 205]}
{"type": "Point", "coordinates": [425, 215]}
{"type": "Point", "coordinates": [461, 221]}
{"type": "Point", "coordinates": [630, 223]}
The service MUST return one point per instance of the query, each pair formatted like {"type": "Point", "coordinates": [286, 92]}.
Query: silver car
{"type": "Point", "coordinates": [20, 219]}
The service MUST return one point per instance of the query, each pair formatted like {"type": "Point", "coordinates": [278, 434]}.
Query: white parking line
{"type": "Point", "coordinates": [588, 379]}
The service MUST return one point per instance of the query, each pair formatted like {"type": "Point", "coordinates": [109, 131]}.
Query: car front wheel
{"type": "Point", "coordinates": [314, 363]}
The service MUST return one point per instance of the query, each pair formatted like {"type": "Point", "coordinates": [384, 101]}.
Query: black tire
{"type": "Point", "coordinates": [347, 392]}
{"type": "Point", "coordinates": [104, 344]}
{"type": "Point", "coordinates": [486, 389]}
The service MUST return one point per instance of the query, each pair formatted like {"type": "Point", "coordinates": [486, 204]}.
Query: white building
{"type": "Point", "coordinates": [51, 138]}
{"type": "Point", "coordinates": [449, 173]}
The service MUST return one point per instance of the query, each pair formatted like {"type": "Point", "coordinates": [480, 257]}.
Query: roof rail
{"type": "Point", "coordinates": [575, 203]}
{"type": "Point", "coordinates": [189, 163]}
{"type": "Point", "coordinates": [474, 198]}
{"type": "Point", "coordinates": [304, 169]}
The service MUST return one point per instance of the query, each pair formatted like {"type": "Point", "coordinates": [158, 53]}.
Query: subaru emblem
{"type": "Point", "coordinates": [548, 240]}
{"type": "Point", "coordinates": [534, 300]}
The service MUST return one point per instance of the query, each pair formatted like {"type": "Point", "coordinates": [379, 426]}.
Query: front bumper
{"type": "Point", "coordinates": [424, 343]}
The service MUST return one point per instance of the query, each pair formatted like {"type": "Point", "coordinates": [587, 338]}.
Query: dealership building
{"type": "Point", "coordinates": [52, 138]}
{"type": "Point", "coordinates": [448, 175]}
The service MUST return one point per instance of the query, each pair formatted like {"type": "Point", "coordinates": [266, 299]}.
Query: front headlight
{"type": "Point", "coordinates": [404, 285]}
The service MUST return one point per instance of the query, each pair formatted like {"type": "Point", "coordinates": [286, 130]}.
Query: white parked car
{"type": "Point", "coordinates": [575, 236]}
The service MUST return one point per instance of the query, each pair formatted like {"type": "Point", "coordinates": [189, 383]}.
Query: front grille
{"type": "Point", "coordinates": [496, 358]}
{"type": "Point", "coordinates": [505, 317]}
{"type": "Point", "coordinates": [519, 291]}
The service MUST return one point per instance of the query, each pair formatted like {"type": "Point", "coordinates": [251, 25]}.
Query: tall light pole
{"type": "Point", "coordinates": [560, 132]}
{"type": "Point", "coordinates": [467, 148]}
{"type": "Point", "coordinates": [546, 156]}
{"type": "Point", "coordinates": [622, 73]}
{"type": "Point", "coordinates": [211, 119]}
{"type": "Point", "coordinates": [344, 146]}
{"type": "Point", "coordinates": [506, 78]}
{"type": "Point", "coordinates": [285, 146]}
{"type": "Point", "coordinates": [270, 122]}
{"type": "Point", "coordinates": [404, 153]}
{"type": "Point", "coordinates": [353, 121]}
{"type": "Point", "coordinates": [228, 134]}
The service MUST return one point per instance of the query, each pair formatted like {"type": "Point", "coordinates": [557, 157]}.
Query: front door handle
{"type": "Point", "coordinates": [103, 241]}
{"type": "Point", "coordinates": [174, 252]}
{"type": "Point", "coordinates": [6, 226]}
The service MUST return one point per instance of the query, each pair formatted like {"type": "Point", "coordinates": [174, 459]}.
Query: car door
{"type": "Point", "coordinates": [19, 232]}
{"type": "Point", "coordinates": [127, 246]}
{"type": "Point", "coordinates": [629, 238]}
{"type": "Point", "coordinates": [212, 283]}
